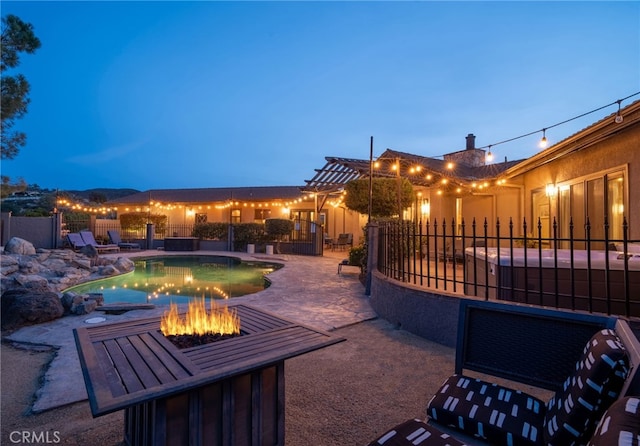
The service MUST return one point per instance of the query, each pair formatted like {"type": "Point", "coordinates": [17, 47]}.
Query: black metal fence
{"type": "Point", "coordinates": [305, 239]}
{"type": "Point", "coordinates": [596, 275]}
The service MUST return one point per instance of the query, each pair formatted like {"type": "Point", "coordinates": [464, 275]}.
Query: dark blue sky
{"type": "Point", "coordinates": [211, 94]}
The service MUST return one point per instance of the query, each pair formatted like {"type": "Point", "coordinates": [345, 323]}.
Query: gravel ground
{"type": "Point", "coordinates": [344, 394]}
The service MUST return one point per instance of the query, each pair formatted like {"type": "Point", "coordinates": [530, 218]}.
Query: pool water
{"type": "Point", "coordinates": [178, 279]}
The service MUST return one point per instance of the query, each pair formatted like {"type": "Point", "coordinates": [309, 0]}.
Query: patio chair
{"type": "Point", "coordinates": [75, 241]}
{"type": "Point", "coordinates": [89, 239]}
{"type": "Point", "coordinates": [500, 415]}
{"type": "Point", "coordinates": [114, 237]}
{"type": "Point", "coordinates": [343, 241]}
{"type": "Point", "coordinates": [472, 411]}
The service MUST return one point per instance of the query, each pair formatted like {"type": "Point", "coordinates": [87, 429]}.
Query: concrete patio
{"type": "Point", "coordinates": [343, 394]}
{"type": "Point", "coordinates": [307, 290]}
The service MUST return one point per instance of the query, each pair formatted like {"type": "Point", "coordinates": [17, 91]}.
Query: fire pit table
{"type": "Point", "coordinates": [229, 392]}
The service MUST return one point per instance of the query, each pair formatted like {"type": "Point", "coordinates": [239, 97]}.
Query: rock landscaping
{"type": "Point", "coordinates": [33, 281]}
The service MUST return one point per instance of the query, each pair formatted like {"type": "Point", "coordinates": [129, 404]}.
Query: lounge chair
{"type": "Point", "coordinates": [75, 241]}
{"type": "Point", "coordinates": [344, 240]}
{"type": "Point", "coordinates": [89, 239]}
{"type": "Point", "coordinates": [114, 237]}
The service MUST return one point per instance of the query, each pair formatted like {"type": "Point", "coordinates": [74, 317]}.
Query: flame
{"type": "Point", "coordinates": [199, 321]}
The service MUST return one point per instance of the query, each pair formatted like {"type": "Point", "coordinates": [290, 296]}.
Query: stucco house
{"type": "Point", "coordinates": [589, 175]}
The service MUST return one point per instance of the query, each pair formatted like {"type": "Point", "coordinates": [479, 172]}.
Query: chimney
{"type": "Point", "coordinates": [471, 141]}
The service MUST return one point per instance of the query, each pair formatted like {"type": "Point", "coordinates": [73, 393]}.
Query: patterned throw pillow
{"type": "Point", "coordinates": [573, 412]}
{"type": "Point", "coordinates": [504, 416]}
{"type": "Point", "coordinates": [620, 424]}
{"type": "Point", "coordinates": [485, 410]}
{"type": "Point", "coordinates": [415, 432]}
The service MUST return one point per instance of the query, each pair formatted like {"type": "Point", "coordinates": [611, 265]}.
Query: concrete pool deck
{"type": "Point", "coordinates": [307, 290]}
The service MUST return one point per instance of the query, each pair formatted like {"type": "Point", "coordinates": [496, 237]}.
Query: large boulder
{"type": "Point", "coordinates": [80, 304]}
{"type": "Point", "coordinates": [29, 306]}
{"type": "Point", "coordinates": [16, 245]}
{"type": "Point", "coordinates": [34, 280]}
{"type": "Point", "coordinates": [89, 251]}
{"type": "Point", "coordinates": [124, 265]}
{"type": "Point", "coordinates": [8, 264]}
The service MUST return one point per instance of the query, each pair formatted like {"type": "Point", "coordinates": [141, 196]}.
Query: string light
{"type": "Point", "coordinates": [619, 101]}
{"type": "Point", "coordinates": [618, 119]}
{"type": "Point", "coordinates": [489, 156]}
{"type": "Point", "coordinates": [543, 142]}
{"type": "Point", "coordinates": [156, 206]}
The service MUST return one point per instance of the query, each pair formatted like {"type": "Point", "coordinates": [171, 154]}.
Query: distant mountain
{"type": "Point", "coordinates": [109, 194]}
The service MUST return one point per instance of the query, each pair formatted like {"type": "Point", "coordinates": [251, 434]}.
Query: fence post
{"type": "Point", "coordinates": [56, 230]}
{"type": "Point", "coordinates": [6, 227]}
{"type": "Point", "coordinates": [372, 254]}
{"type": "Point", "coordinates": [230, 241]}
{"type": "Point", "coordinates": [150, 235]}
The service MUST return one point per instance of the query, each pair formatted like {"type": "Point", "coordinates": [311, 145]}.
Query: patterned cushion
{"type": "Point", "coordinates": [620, 424]}
{"type": "Point", "coordinates": [415, 432]}
{"type": "Point", "coordinates": [488, 411]}
{"type": "Point", "coordinates": [504, 416]}
{"type": "Point", "coordinates": [573, 412]}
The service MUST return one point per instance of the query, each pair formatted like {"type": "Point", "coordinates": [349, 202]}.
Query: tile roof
{"type": "Point", "coordinates": [339, 171]}
{"type": "Point", "coordinates": [212, 195]}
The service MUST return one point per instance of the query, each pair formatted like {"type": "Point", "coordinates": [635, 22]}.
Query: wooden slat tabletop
{"type": "Point", "coordinates": [131, 362]}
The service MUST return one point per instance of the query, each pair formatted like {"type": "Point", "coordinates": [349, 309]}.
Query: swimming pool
{"type": "Point", "coordinates": [178, 279]}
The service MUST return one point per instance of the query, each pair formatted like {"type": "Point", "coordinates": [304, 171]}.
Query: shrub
{"type": "Point", "coordinates": [135, 222]}
{"type": "Point", "coordinates": [211, 231]}
{"type": "Point", "coordinates": [245, 233]}
{"type": "Point", "coordinates": [278, 227]}
{"type": "Point", "coordinates": [357, 256]}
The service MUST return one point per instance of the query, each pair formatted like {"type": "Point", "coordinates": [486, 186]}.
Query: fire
{"type": "Point", "coordinates": [199, 321]}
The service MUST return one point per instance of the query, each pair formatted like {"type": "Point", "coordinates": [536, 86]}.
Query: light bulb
{"type": "Point", "coordinates": [619, 117]}
{"type": "Point", "coordinates": [543, 142]}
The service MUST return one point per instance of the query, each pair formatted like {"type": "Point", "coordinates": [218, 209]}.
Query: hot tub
{"type": "Point", "coordinates": [555, 278]}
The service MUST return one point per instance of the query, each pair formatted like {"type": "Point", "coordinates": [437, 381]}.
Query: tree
{"type": "Point", "coordinates": [278, 228]}
{"type": "Point", "coordinates": [7, 188]}
{"type": "Point", "coordinates": [97, 197]}
{"type": "Point", "coordinates": [385, 196]}
{"type": "Point", "coordinates": [17, 37]}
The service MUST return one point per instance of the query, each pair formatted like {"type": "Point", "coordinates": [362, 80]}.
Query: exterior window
{"type": "Point", "coordinates": [459, 216]}
{"type": "Point", "coordinates": [236, 215]}
{"type": "Point", "coordinates": [540, 224]}
{"type": "Point", "coordinates": [595, 207]}
{"type": "Point", "coordinates": [564, 213]}
{"type": "Point", "coordinates": [592, 198]}
{"type": "Point", "coordinates": [201, 218]}
{"type": "Point", "coordinates": [261, 214]}
{"type": "Point", "coordinates": [615, 204]}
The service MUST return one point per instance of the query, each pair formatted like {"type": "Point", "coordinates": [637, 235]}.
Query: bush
{"type": "Point", "coordinates": [245, 233]}
{"type": "Point", "coordinates": [135, 222]}
{"type": "Point", "coordinates": [211, 231]}
{"type": "Point", "coordinates": [278, 227]}
{"type": "Point", "coordinates": [357, 256]}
